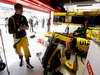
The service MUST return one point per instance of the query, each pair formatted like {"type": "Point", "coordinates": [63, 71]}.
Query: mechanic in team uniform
{"type": "Point", "coordinates": [17, 24]}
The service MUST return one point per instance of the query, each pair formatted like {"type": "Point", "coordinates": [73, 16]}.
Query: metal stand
{"type": "Point", "coordinates": [4, 52]}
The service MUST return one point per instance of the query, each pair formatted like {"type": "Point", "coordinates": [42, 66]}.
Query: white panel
{"type": "Point", "coordinates": [94, 59]}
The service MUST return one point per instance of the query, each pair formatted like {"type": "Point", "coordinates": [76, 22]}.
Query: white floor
{"type": "Point", "coordinates": [13, 60]}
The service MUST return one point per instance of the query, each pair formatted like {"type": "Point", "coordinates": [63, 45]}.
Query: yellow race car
{"type": "Point", "coordinates": [82, 43]}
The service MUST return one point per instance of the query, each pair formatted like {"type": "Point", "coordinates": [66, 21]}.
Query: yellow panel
{"type": "Point", "coordinates": [71, 14]}
{"type": "Point", "coordinates": [93, 33]}
{"type": "Point", "coordinates": [79, 13]}
{"type": "Point", "coordinates": [60, 13]}
{"type": "Point", "coordinates": [83, 44]}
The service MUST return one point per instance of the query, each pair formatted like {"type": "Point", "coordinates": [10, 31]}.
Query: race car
{"type": "Point", "coordinates": [82, 43]}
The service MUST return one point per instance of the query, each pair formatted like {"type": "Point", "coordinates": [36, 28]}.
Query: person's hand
{"type": "Point", "coordinates": [26, 27]}
{"type": "Point", "coordinates": [23, 27]}
{"type": "Point", "coordinates": [77, 33]}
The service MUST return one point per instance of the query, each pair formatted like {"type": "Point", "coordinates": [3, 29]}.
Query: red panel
{"type": "Point", "coordinates": [37, 5]}
{"type": "Point", "coordinates": [41, 4]}
{"type": "Point", "coordinates": [8, 1]}
{"type": "Point", "coordinates": [46, 1]}
{"type": "Point", "coordinates": [34, 6]}
{"type": "Point", "coordinates": [11, 0]}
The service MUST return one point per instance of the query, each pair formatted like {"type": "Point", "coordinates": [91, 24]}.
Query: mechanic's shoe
{"type": "Point", "coordinates": [30, 66]}
{"type": "Point", "coordinates": [32, 36]}
{"type": "Point", "coordinates": [21, 61]}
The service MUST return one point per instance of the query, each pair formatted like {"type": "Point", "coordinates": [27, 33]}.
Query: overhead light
{"type": "Point", "coordinates": [82, 5]}
{"type": "Point", "coordinates": [97, 0]}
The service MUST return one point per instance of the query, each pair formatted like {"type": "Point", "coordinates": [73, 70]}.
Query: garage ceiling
{"type": "Point", "coordinates": [59, 4]}
{"type": "Point", "coordinates": [64, 1]}
{"type": "Point", "coordinates": [74, 1]}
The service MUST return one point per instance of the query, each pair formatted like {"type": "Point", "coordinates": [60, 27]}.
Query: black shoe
{"type": "Point", "coordinates": [30, 66]}
{"type": "Point", "coordinates": [32, 36]}
{"type": "Point", "coordinates": [21, 61]}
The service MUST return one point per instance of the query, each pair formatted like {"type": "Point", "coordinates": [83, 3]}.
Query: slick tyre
{"type": "Point", "coordinates": [2, 66]}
